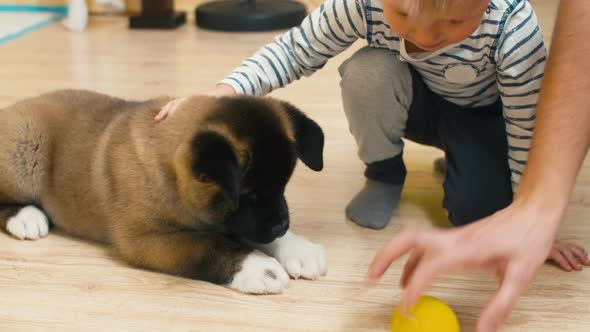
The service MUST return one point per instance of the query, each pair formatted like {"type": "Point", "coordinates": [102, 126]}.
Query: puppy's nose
{"type": "Point", "coordinates": [280, 229]}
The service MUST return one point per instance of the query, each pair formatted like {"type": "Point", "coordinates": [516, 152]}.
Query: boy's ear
{"type": "Point", "coordinates": [214, 160]}
{"type": "Point", "coordinates": [309, 138]}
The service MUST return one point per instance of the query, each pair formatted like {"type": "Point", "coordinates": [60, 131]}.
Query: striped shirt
{"type": "Point", "coordinates": [504, 57]}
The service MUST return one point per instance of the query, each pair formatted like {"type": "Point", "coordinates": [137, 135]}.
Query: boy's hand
{"type": "Point", "coordinates": [170, 107]}
{"type": "Point", "coordinates": [513, 243]}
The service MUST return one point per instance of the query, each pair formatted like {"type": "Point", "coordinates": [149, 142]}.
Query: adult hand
{"type": "Point", "coordinates": [513, 243]}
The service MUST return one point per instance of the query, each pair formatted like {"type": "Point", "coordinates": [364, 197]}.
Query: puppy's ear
{"type": "Point", "coordinates": [214, 160]}
{"type": "Point", "coordinates": [309, 138]}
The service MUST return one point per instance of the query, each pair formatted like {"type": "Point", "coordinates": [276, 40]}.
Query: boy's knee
{"type": "Point", "coordinates": [374, 70]}
{"type": "Point", "coordinates": [475, 202]}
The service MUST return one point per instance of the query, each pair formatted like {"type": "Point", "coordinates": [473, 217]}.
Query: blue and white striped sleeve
{"type": "Point", "coordinates": [324, 33]}
{"type": "Point", "coordinates": [520, 61]}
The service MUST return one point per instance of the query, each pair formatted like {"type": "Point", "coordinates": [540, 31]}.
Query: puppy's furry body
{"type": "Point", "coordinates": [181, 197]}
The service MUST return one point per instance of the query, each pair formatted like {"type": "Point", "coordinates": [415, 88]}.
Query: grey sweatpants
{"type": "Point", "coordinates": [385, 100]}
{"type": "Point", "coordinates": [377, 96]}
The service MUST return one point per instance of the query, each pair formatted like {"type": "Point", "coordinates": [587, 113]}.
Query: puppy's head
{"type": "Point", "coordinates": [241, 160]}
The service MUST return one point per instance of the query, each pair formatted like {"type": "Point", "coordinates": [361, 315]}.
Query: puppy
{"type": "Point", "coordinates": [200, 195]}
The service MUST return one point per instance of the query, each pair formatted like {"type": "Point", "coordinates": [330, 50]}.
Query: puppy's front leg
{"type": "Point", "coordinates": [204, 256]}
{"type": "Point", "coordinates": [299, 256]}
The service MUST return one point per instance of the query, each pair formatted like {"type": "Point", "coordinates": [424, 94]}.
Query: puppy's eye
{"type": "Point", "coordinates": [204, 178]}
{"type": "Point", "coordinates": [218, 202]}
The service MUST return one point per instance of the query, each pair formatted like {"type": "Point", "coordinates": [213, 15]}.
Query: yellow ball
{"type": "Point", "coordinates": [428, 315]}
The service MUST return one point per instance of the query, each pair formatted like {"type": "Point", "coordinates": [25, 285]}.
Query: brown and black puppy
{"type": "Point", "coordinates": [200, 195]}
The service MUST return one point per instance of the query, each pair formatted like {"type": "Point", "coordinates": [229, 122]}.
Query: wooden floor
{"type": "Point", "coordinates": [60, 283]}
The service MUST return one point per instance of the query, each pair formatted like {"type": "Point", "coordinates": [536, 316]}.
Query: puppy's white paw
{"type": "Point", "coordinates": [260, 274]}
{"type": "Point", "coordinates": [299, 256]}
{"type": "Point", "coordinates": [29, 223]}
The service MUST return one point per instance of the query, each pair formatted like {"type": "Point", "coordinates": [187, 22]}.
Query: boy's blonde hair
{"type": "Point", "coordinates": [437, 7]}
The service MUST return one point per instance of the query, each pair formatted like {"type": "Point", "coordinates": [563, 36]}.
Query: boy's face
{"type": "Point", "coordinates": [432, 31]}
